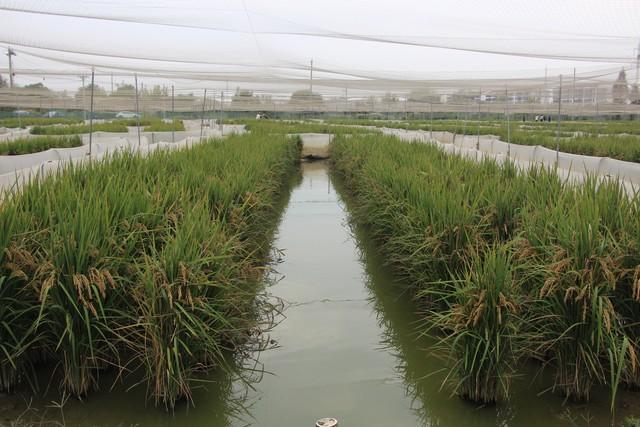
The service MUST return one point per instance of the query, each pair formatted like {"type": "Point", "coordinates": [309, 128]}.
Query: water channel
{"type": "Point", "coordinates": [346, 347]}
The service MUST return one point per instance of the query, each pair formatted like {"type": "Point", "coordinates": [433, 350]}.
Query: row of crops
{"type": "Point", "coordinates": [67, 133]}
{"type": "Point", "coordinates": [145, 267]}
{"type": "Point", "coordinates": [618, 140]}
{"type": "Point", "coordinates": [37, 144]}
{"type": "Point", "coordinates": [509, 268]}
{"type": "Point", "coordinates": [150, 125]}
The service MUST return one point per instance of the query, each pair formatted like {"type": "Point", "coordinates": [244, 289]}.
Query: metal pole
{"type": "Point", "coordinates": [478, 140]}
{"type": "Point", "coordinates": [10, 53]}
{"type": "Point", "coordinates": [135, 76]}
{"type": "Point", "coordinates": [431, 119]}
{"type": "Point", "coordinates": [204, 102]}
{"type": "Point", "coordinates": [311, 81]}
{"type": "Point", "coordinates": [84, 102]}
{"type": "Point", "coordinates": [573, 94]}
{"type": "Point", "coordinates": [173, 115]}
{"type": "Point", "coordinates": [221, 112]}
{"type": "Point", "coordinates": [346, 100]}
{"type": "Point", "coordinates": [559, 118]}
{"type": "Point", "coordinates": [506, 107]}
{"type": "Point", "coordinates": [91, 112]}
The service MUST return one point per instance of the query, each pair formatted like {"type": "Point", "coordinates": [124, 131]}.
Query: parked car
{"type": "Point", "coordinates": [127, 115]}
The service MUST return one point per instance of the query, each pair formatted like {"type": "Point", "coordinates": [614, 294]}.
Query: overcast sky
{"type": "Point", "coordinates": [207, 43]}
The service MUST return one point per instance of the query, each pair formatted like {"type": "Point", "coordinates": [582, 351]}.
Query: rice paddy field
{"type": "Point", "coordinates": [227, 284]}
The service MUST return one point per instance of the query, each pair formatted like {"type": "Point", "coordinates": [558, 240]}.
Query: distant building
{"type": "Point", "coordinates": [620, 91]}
{"type": "Point", "coordinates": [444, 98]}
{"type": "Point", "coordinates": [546, 97]}
{"type": "Point", "coordinates": [634, 96]}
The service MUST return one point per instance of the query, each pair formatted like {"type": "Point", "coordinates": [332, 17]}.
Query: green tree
{"type": "Point", "coordinates": [243, 97]}
{"type": "Point", "coordinates": [305, 96]}
{"type": "Point", "coordinates": [124, 89]}
{"type": "Point", "coordinates": [86, 91]}
{"type": "Point", "coordinates": [37, 86]}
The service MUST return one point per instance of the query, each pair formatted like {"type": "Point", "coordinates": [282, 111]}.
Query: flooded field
{"type": "Point", "coordinates": [346, 348]}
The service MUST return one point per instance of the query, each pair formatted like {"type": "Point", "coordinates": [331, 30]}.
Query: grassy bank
{"type": "Point", "coordinates": [507, 267]}
{"type": "Point", "coordinates": [37, 144]}
{"type": "Point", "coordinates": [142, 265]}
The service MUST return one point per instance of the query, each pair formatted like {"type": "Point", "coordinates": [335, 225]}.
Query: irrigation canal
{"type": "Point", "coordinates": [346, 348]}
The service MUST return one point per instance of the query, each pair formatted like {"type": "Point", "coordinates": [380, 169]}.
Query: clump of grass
{"type": "Point", "coordinates": [139, 264]}
{"type": "Point", "coordinates": [37, 144]}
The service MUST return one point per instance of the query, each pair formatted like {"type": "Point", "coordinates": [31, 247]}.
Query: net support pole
{"type": "Point", "coordinates": [173, 115]}
{"type": "Point", "coordinates": [559, 118]}
{"type": "Point", "coordinates": [506, 110]}
{"type": "Point", "coordinates": [84, 102]}
{"type": "Point", "coordinates": [431, 120]}
{"type": "Point", "coordinates": [135, 78]}
{"type": "Point", "coordinates": [91, 111]}
{"type": "Point", "coordinates": [478, 139]}
{"type": "Point", "coordinates": [573, 95]}
{"type": "Point", "coordinates": [221, 112]}
{"type": "Point", "coordinates": [204, 102]}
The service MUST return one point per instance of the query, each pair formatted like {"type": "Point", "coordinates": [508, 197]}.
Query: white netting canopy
{"type": "Point", "coordinates": [361, 47]}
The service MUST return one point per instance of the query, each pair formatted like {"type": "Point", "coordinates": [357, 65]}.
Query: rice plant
{"type": "Point", "coordinates": [37, 144]}
{"type": "Point", "coordinates": [162, 126]}
{"type": "Point", "coordinates": [77, 129]}
{"type": "Point", "coordinates": [443, 223]}
{"type": "Point", "coordinates": [36, 121]}
{"type": "Point", "coordinates": [484, 327]}
{"type": "Point", "coordinates": [139, 264]}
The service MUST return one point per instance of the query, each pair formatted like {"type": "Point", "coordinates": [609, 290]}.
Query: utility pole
{"type": "Point", "coordinates": [111, 83]}
{"type": "Point", "coordinates": [91, 112]}
{"type": "Point", "coordinates": [10, 53]}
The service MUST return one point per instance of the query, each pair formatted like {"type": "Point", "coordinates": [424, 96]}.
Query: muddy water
{"type": "Point", "coordinates": [346, 348]}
